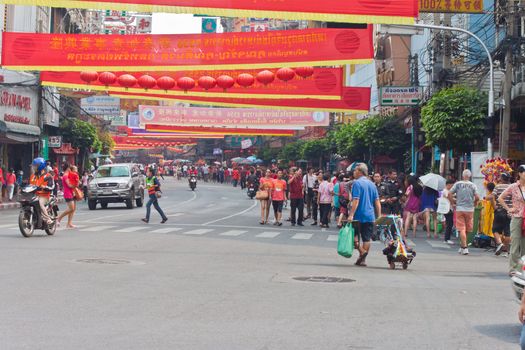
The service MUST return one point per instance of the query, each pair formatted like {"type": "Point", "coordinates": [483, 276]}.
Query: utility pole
{"type": "Point", "coordinates": [510, 19]}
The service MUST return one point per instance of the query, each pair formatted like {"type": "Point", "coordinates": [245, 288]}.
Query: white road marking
{"type": "Point", "coordinates": [198, 232]}
{"type": "Point", "coordinates": [410, 243]}
{"type": "Point", "coordinates": [332, 238]}
{"type": "Point", "coordinates": [438, 244]}
{"type": "Point", "coordinates": [268, 234]}
{"type": "Point", "coordinates": [132, 229]}
{"type": "Point", "coordinates": [231, 216]}
{"type": "Point", "coordinates": [302, 236]}
{"type": "Point", "coordinates": [166, 230]}
{"type": "Point", "coordinates": [8, 226]}
{"type": "Point", "coordinates": [96, 228]}
{"type": "Point", "coordinates": [233, 233]}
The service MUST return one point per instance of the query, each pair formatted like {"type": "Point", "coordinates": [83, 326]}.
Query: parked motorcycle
{"type": "Point", "coordinates": [251, 191]}
{"type": "Point", "coordinates": [193, 182]}
{"type": "Point", "coordinates": [30, 217]}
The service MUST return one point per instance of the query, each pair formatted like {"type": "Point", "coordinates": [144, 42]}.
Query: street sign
{"type": "Point", "coordinates": [451, 6]}
{"type": "Point", "coordinates": [209, 25]}
{"type": "Point", "coordinates": [55, 141]}
{"type": "Point", "coordinates": [100, 105]}
{"type": "Point", "coordinates": [400, 95]}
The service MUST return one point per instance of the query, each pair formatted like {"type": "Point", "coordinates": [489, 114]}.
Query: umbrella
{"type": "Point", "coordinates": [237, 159]}
{"type": "Point", "coordinates": [252, 158]}
{"type": "Point", "coordinates": [217, 163]}
{"type": "Point", "coordinates": [352, 167]}
{"type": "Point", "coordinates": [433, 181]}
{"type": "Point", "coordinates": [258, 161]}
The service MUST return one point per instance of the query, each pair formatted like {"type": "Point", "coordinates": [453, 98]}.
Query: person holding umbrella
{"type": "Point", "coordinates": [432, 183]}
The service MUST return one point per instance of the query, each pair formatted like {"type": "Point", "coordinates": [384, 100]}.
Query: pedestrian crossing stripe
{"type": "Point", "coordinates": [268, 234]}
{"type": "Point", "coordinates": [232, 233]}
{"type": "Point", "coordinates": [302, 236]}
{"type": "Point", "coordinates": [131, 229]}
{"type": "Point", "coordinates": [332, 238]}
{"type": "Point", "coordinates": [197, 232]}
{"type": "Point", "coordinates": [438, 244]}
{"type": "Point", "coordinates": [96, 228]}
{"type": "Point", "coordinates": [166, 230]}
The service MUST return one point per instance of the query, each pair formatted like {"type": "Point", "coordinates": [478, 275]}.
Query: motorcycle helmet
{"type": "Point", "coordinates": [39, 164]}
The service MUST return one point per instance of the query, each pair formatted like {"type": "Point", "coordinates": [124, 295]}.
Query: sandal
{"type": "Point", "coordinates": [261, 222]}
{"type": "Point", "coordinates": [361, 260]}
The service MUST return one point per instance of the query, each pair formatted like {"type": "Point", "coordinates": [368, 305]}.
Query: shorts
{"type": "Point", "coordinates": [277, 206]}
{"type": "Point", "coordinates": [365, 231]}
{"type": "Point", "coordinates": [501, 222]}
{"type": "Point", "coordinates": [69, 200]}
{"type": "Point", "coordinates": [464, 221]}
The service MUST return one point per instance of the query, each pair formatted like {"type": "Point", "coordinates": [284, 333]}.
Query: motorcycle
{"type": "Point", "coordinates": [251, 191]}
{"type": "Point", "coordinates": [193, 182]}
{"type": "Point", "coordinates": [30, 217]}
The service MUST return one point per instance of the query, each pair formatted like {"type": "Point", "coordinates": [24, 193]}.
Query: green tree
{"type": "Point", "coordinates": [81, 135]}
{"type": "Point", "coordinates": [454, 118]}
{"type": "Point", "coordinates": [106, 142]}
{"type": "Point", "coordinates": [317, 150]}
{"type": "Point", "coordinates": [291, 151]}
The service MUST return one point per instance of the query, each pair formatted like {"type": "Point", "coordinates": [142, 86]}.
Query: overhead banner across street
{"type": "Point", "coordinates": [183, 52]}
{"type": "Point", "coordinates": [353, 11]}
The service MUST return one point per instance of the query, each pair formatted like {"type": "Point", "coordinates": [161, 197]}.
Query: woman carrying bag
{"type": "Point", "coordinates": [263, 195]}
{"type": "Point", "coordinates": [153, 187]}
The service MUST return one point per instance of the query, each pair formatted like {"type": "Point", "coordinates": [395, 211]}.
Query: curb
{"type": "Point", "coordinates": [16, 205]}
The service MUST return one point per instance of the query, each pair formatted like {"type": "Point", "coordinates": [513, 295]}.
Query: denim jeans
{"type": "Point", "coordinates": [522, 338]}
{"type": "Point", "coordinates": [155, 202]}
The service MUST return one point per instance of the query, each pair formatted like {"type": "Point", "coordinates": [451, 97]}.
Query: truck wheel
{"type": "Point", "coordinates": [104, 205]}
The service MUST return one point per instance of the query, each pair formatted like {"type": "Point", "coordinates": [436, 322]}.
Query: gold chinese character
{"type": "Point", "coordinates": [165, 43]}
{"type": "Point", "coordinates": [100, 43]}
{"type": "Point", "coordinates": [56, 43]}
{"type": "Point", "coordinates": [71, 43]}
{"type": "Point", "coordinates": [85, 43]}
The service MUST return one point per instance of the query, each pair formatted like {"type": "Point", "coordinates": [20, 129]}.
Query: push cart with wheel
{"type": "Point", "coordinates": [396, 250]}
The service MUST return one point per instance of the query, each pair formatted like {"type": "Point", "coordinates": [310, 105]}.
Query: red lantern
{"type": "Point", "coordinates": [166, 83]}
{"type": "Point", "coordinates": [107, 78]}
{"type": "Point", "coordinates": [89, 76]}
{"type": "Point", "coordinates": [245, 80]}
{"type": "Point", "coordinates": [186, 83]}
{"type": "Point", "coordinates": [265, 77]}
{"type": "Point", "coordinates": [127, 80]}
{"type": "Point", "coordinates": [207, 82]}
{"type": "Point", "coordinates": [225, 82]}
{"type": "Point", "coordinates": [147, 82]}
{"type": "Point", "coordinates": [304, 72]}
{"type": "Point", "coordinates": [285, 74]}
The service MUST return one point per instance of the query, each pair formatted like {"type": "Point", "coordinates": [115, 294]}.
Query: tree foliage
{"type": "Point", "coordinates": [454, 118]}
{"type": "Point", "coordinates": [291, 151]}
{"type": "Point", "coordinates": [106, 142]}
{"type": "Point", "coordinates": [80, 134]}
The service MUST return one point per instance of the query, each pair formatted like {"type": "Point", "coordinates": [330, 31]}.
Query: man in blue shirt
{"type": "Point", "coordinates": [365, 208]}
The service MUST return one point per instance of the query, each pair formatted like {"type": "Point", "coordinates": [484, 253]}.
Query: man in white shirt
{"type": "Point", "coordinates": [308, 182]}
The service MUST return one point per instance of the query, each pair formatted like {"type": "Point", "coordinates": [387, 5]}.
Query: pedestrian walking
{"type": "Point", "coordinates": [85, 183]}
{"type": "Point", "coordinates": [296, 196]}
{"type": "Point", "coordinates": [278, 197]}
{"type": "Point", "coordinates": [67, 190]}
{"type": "Point", "coordinates": [264, 196]}
{"type": "Point", "coordinates": [309, 194]}
{"type": "Point", "coordinates": [154, 193]}
{"type": "Point", "coordinates": [364, 210]}
{"type": "Point", "coordinates": [501, 224]}
{"type": "Point", "coordinates": [449, 216]}
{"type": "Point", "coordinates": [412, 204]}
{"type": "Point", "coordinates": [429, 200]}
{"type": "Point", "coordinates": [467, 198]}
{"type": "Point", "coordinates": [324, 199]}
{"type": "Point", "coordinates": [315, 203]}
{"type": "Point", "coordinates": [10, 184]}
{"type": "Point", "coordinates": [516, 192]}
{"type": "Point", "coordinates": [2, 185]}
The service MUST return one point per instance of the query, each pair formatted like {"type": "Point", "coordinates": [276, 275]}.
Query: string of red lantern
{"type": "Point", "coordinates": [224, 82]}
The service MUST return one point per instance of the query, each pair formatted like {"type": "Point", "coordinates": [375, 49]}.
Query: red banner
{"type": "Point", "coordinates": [353, 100]}
{"type": "Point", "coordinates": [353, 11]}
{"type": "Point", "coordinates": [182, 52]}
{"type": "Point", "coordinates": [219, 131]}
{"type": "Point", "coordinates": [324, 83]}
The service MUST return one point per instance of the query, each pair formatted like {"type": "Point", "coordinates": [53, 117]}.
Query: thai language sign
{"type": "Point", "coordinates": [400, 95]}
{"type": "Point", "coordinates": [177, 52]}
{"type": "Point", "coordinates": [353, 11]}
{"type": "Point", "coordinates": [100, 105]}
{"type": "Point", "coordinates": [454, 6]}
{"type": "Point", "coordinates": [229, 117]}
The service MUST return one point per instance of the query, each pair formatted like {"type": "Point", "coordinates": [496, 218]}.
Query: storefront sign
{"type": "Point", "coordinates": [353, 100]}
{"type": "Point", "coordinates": [55, 141]}
{"type": "Point", "coordinates": [100, 105]}
{"type": "Point", "coordinates": [182, 52]}
{"type": "Point", "coordinates": [325, 83]}
{"type": "Point", "coordinates": [117, 120]}
{"type": "Point", "coordinates": [453, 6]}
{"type": "Point", "coordinates": [18, 105]}
{"type": "Point", "coordinates": [400, 95]}
{"type": "Point", "coordinates": [353, 11]}
{"type": "Point", "coordinates": [230, 117]}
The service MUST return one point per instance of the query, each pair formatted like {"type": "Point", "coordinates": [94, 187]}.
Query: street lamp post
{"type": "Point", "coordinates": [491, 63]}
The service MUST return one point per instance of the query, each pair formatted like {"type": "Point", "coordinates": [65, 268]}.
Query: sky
{"type": "Point", "coordinates": [170, 23]}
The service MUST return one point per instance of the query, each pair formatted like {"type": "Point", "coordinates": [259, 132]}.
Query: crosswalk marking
{"type": "Point", "coordinates": [434, 244]}
{"type": "Point", "coordinates": [410, 243]}
{"type": "Point", "coordinates": [332, 238]}
{"type": "Point", "coordinates": [198, 232]}
{"type": "Point", "coordinates": [302, 236]}
{"type": "Point", "coordinates": [132, 229]}
{"type": "Point", "coordinates": [7, 226]}
{"type": "Point", "coordinates": [96, 228]}
{"type": "Point", "coordinates": [268, 234]}
{"type": "Point", "coordinates": [233, 233]}
{"type": "Point", "coordinates": [176, 214]}
{"type": "Point", "coordinates": [166, 230]}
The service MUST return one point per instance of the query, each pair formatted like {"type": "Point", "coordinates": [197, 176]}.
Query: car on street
{"type": "Point", "coordinates": [117, 183]}
{"type": "Point", "coordinates": [518, 279]}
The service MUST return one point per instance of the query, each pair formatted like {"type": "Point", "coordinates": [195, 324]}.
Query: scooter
{"type": "Point", "coordinates": [251, 191]}
{"type": "Point", "coordinates": [193, 182]}
{"type": "Point", "coordinates": [30, 217]}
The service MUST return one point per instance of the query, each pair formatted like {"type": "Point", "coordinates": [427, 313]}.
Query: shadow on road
{"type": "Point", "coordinates": [507, 332]}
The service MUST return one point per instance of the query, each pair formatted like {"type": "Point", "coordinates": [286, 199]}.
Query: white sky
{"type": "Point", "coordinates": [170, 23]}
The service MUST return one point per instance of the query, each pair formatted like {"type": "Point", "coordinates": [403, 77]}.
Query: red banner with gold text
{"type": "Point", "coordinates": [324, 83]}
{"type": "Point", "coordinates": [182, 52]}
{"type": "Point", "coordinates": [353, 100]}
{"type": "Point", "coordinates": [353, 11]}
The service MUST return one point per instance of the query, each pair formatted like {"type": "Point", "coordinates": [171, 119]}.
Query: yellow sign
{"type": "Point", "coordinates": [454, 6]}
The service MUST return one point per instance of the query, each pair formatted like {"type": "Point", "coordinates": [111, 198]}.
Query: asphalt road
{"type": "Point", "coordinates": [213, 278]}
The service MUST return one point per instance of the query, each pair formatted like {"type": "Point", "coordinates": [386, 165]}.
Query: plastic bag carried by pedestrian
{"type": "Point", "coordinates": [345, 242]}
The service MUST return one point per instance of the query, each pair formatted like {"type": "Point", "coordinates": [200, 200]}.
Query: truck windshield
{"type": "Point", "coordinates": [113, 171]}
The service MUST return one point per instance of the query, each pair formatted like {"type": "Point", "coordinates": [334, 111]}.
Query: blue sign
{"type": "Point", "coordinates": [209, 25]}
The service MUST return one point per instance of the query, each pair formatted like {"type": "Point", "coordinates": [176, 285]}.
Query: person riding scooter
{"type": "Point", "coordinates": [45, 183]}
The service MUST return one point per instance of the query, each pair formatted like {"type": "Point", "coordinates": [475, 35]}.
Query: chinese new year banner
{"type": "Point", "coordinates": [183, 52]}
{"type": "Point", "coordinates": [322, 83]}
{"type": "Point", "coordinates": [352, 11]}
{"type": "Point", "coordinates": [229, 117]}
{"type": "Point", "coordinates": [353, 100]}
{"type": "Point", "coordinates": [452, 6]}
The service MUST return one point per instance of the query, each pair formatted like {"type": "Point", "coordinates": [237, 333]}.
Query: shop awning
{"type": "Point", "coordinates": [19, 132]}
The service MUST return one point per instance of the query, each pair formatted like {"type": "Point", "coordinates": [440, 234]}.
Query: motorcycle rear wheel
{"type": "Point", "coordinates": [26, 228]}
{"type": "Point", "coordinates": [52, 228]}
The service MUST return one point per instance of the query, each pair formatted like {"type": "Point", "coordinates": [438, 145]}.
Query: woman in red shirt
{"type": "Point", "coordinates": [235, 177]}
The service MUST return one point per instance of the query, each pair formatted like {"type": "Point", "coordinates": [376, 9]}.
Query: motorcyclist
{"type": "Point", "coordinates": [45, 183]}
{"type": "Point", "coordinates": [193, 171]}
{"type": "Point", "coordinates": [252, 180]}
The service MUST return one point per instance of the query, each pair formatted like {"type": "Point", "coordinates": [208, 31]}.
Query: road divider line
{"type": "Point", "coordinates": [231, 216]}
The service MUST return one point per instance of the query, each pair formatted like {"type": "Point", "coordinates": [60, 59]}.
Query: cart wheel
{"type": "Point", "coordinates": [405, 265]}
{"type": "Point", "coordinates": [392, 266]}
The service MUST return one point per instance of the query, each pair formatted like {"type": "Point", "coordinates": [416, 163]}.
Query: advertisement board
{"type": "Point", "coordinates": [400, 95]}
{"type": "Point", "coordinates": [451, 6]}
{"type": "Point", "coordinates": [100, 105]}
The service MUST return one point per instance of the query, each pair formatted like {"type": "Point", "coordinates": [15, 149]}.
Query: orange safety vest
{"type": "Point", "coordinates": [40, 181]}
